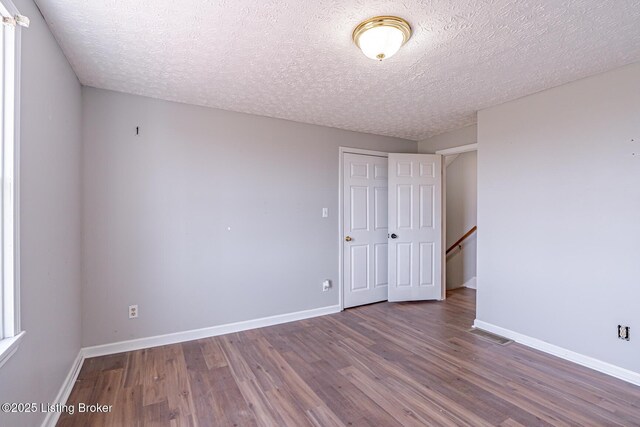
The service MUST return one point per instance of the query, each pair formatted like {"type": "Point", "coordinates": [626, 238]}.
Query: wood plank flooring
{"type": "Point", "coordinates": [387, 364]}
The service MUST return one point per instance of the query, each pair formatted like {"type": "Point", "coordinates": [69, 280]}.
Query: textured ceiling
{"type": "Point", "coordinates": [295, 59]}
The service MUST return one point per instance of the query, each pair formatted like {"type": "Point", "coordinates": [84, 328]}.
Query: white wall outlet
{"type": "Point", "coordinates": [623, 332]}
{"type": "Point", "coordinates": [325, 212]}
{"type": "Point", "coordinates": [133, 311]}
{"type": "Point", "coordinates": [326, 285]}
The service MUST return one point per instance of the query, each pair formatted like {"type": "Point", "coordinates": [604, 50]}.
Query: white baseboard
{"type": "Point", "coordinates": [563, 353]}
{"type": "Point", "coordinates": [52, 417]}
{"type": "Point", "coordinates": [471, 283]}
{"type": "Point", "coordinates": [177, 337]}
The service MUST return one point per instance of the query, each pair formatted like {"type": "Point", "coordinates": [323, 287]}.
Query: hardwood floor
{"type": "Point", "coordinates": [386, 364]}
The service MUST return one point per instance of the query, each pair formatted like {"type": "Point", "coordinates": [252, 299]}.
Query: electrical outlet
{"type": "Point", "coordinates": [133, 311]}
{"type": "Point", "coordinates": [623, 332]}
{"type": "Point", "coordinates": [326, 285]}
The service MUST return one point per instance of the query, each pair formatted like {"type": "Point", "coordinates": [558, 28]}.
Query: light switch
{"type": "Point", "coordinates": [325, 212]}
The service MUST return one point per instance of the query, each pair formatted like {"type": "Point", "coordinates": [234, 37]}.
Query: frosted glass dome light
{"type": "Point", "coordinates": [382, 36]}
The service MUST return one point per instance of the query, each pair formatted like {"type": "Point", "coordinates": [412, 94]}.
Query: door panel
{"type": "Point", "coordinates": [426, 264]}
{"type": "Point", "coordinates": [359, 208]}
{"type": "Point", "coordinates": [381, 260]}
{"type": "Point", "coordinates": [359, 267]}
{"type": "Point", "coordinates": [381, 199]}
{"type": "Point", "coordinates": [404, 206]}
{"type": "Point", "coordinates": [403, 264]}
{"type": "Point", "coordinates": [365, 217]}
{"type": "Point", "coordinates": [427, 204]}
{"type": "Point", "coordinates": [415, 213]}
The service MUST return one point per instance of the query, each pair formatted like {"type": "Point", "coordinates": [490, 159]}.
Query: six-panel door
{"type": "Point", "coordinates": [415, 227]}
{"type": "Point", "coordinates": [365, 229]}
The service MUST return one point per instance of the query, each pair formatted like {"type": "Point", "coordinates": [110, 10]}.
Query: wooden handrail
{"type": "Point", "coordinates": [462, 239]}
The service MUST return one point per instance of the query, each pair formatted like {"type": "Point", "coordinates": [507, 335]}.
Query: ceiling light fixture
{"type": "Point", "coordinates": [381, 37]}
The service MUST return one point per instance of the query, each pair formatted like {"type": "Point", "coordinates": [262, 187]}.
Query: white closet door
{"type": "Point", "coordinates": [365, 229]}
{"type": "Point", "coordinates": [415, 227]}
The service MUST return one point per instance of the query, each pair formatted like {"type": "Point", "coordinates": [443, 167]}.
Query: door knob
{"type": "Point", "coordinates": [394, 236]}
{"type": "Point", "coordinates": [348, 238]}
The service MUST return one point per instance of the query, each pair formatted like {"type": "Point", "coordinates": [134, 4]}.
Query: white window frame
{"type": "Point", "coordinates": [10, 331]}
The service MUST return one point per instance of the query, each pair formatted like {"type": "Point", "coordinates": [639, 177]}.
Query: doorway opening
{"type": "Point", "coordinates": [461, 195]}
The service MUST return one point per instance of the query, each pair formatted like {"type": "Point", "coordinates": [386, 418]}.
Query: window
{"type": "Point", "coordinates": [10, 332]}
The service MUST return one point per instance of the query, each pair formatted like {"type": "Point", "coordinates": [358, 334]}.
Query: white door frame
{"type": "Point", "coordinates": [449, 152]}
{"type": "Point", "coordinates": [459, 149]}
{"type": "Point", "coordinates": [342, 151]}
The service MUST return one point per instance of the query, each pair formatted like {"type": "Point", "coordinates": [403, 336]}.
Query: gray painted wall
{"type": "Point", "coordinates": [462, 189]}
{"type": "Point", "coordinates": [50, 223]}
{"type": "Point", "coordinates": [558, 203]}
{"type": "Point", "coordinates": [463, 136]}
{"type": "Point", "coordinates": [158, 208]}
